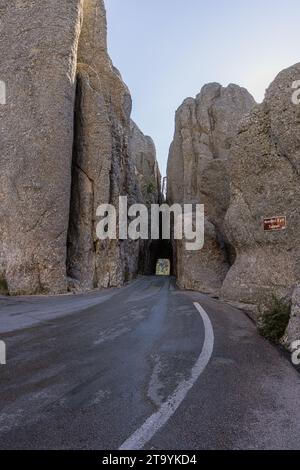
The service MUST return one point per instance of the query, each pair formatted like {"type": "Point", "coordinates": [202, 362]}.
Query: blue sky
{"type": "Point", "coordinates": [167, 50]}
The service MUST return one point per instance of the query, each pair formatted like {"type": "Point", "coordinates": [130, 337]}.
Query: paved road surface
{"type": "Point", "coordinates": [142, 366]}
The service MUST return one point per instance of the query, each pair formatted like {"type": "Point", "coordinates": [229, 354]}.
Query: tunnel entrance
{"type": "Point", "coordinates": [161, 256]}
{"type": "Point", "coordinates": [157, 255]}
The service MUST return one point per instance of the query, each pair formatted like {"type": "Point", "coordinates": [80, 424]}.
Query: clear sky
{"type": "Point", "coordinates": [167, 50]}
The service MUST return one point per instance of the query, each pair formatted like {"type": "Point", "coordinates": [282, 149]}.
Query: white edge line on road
{"type": "Point", "coordinates": [150, 427]}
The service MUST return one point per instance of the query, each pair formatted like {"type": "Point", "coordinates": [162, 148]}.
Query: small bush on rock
{"type": "Point", "coordinates": [151, 187]}
{"type": "Point", "coordinates": [274, 321]}
{"type": "Point", "coordinates": [3, 287]}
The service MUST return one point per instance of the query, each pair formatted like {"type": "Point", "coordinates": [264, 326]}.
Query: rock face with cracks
{"type": "Point", "coordinates": [198, 173]}
{"type": "Point", "coordinates": [264, 171]}
{"type": "Point", "coordinates": [102, 167]}
{"type": "Point", "coordinates": [143, 152]}
{"type": "Point", "coordinates": [65, 149]}
{"type": "Point", "coordinates": [36, 135]}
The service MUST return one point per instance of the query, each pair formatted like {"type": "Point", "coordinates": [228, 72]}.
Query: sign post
{"type": "Point", "coordinates": [274, 224]}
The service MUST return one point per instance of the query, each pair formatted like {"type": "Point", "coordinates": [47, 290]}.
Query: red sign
{"type": "Point", "coordinates": [275, 223]}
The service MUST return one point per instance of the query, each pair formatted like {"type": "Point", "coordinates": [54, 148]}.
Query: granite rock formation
{"type": "Point", "coordinates": [65, 149]}
{"type": "Point", "coordinates": [198, 173]}
{"type": "Point", "coordinates": [143, 152]}
{"type": "Point", "coordinates": [264, 171]}
{"type": "Point", "coordinates": [36, 135]}
{"type": "Point", "coordinates": [102, 166]}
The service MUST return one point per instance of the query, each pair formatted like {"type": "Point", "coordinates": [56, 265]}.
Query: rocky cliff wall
{"type": "Point", "coordinates": [65, 149]}
{"type": "Point", "coordinates": [38, 43]}
{"type": "Point", "coordinates": [264, 172]}
{"type": "Point", "coordinates": [143, 152]}
{"type": "Point", "coordinates": [198, 173]}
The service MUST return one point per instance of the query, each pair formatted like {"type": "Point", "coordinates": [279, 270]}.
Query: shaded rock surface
{"type": "Point", "coordinates": [205, 269]}
{"type": "Point", "coordinates": [147, 174]}
{"type": "Point", "coordinates": [102, 167]}
{"type": "Point", "coordinates": [197, 173]}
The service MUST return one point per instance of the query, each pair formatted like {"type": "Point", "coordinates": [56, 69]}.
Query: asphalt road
{"type": "Point", "coordinates": [142, 367]}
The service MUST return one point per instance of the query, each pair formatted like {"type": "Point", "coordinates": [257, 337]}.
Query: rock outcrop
{"type": "Point", "coordinates": [65, 149]}
{"type": "Point", "coordinates": [143, 152]}
{"type": "Point", "coordinates": [264, 171]}
{"type": "Point", "coordinates": [102, 167]}
{"type": "Point", "coordinates": [197, 173]}
{"type": "Point", "coordinates": [36, 135]}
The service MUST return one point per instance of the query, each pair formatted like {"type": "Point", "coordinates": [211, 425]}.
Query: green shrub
{"type": "Point", "coordinates": [151, 187]}
{"type": "Point", "coordinates": [274, 321]}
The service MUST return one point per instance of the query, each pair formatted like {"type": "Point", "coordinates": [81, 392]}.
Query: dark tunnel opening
{"type": "Point", "coordinates": [159, 252]}
{"type": "Point", "coordinates": [160, 249]}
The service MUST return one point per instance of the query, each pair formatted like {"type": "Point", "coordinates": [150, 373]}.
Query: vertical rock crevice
{"type": "Point", "coordinates": [105, 162]}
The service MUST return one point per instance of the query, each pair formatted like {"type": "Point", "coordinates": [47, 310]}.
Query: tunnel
{"type": "Point", "coordinates": [160, 249]}
{"type": "Point", "coordinates": [152, 252]}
